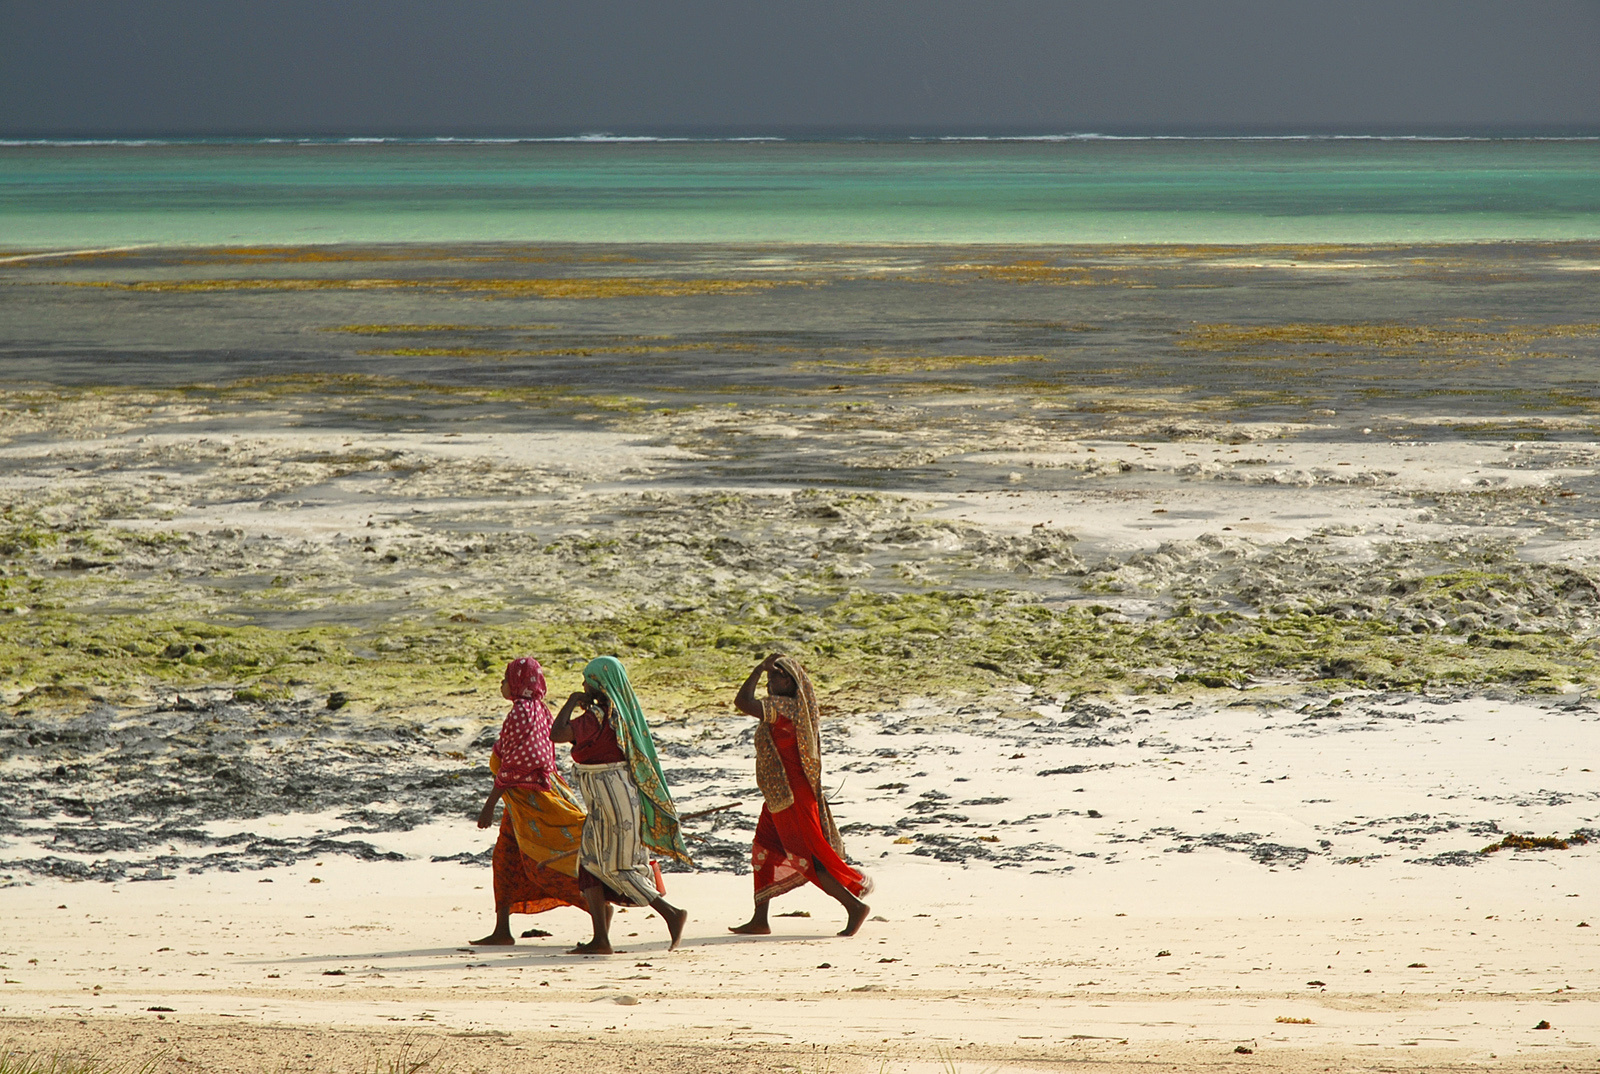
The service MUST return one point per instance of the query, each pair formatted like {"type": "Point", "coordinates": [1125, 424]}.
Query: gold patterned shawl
{"type": "Point", "coordinates": [771, 778]}
{"type": "Point", "coordinates": [547, 824]}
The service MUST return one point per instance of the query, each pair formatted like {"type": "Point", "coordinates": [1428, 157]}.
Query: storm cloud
{"type": "Point", "coordinates": [496, 67]}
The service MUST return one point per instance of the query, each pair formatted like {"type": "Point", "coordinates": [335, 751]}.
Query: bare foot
{"type": "Point", "coordinates": [752, 928]}
{"type": "Point", "coordinates": [495, 939]}
{"type": "Point", "coordinates": [857, 916]}
{"type": "Point", "coordinates": [593, 947]}
{"type": "Point", "coordinates": [675, 922]}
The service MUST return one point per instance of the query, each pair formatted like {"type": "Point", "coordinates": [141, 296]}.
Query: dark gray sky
{"type": "Point", "coordinates": [794, 66]}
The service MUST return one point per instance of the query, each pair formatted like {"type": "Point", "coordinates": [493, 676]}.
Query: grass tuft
{"type": "Point", "coordinates": [408, 1057]}
{"type": "Point", "coordinates": [14, 1061]}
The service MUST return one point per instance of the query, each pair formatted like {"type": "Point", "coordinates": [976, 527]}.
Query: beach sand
{"type": "Point", "coordinates": [1177, 959]}
{"type": "Point", "coordinates": [1245, 866]}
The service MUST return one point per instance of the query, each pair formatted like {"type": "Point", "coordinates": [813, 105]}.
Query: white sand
{"type": "Point", "coordinates": [1051, 965]}
{"type": "Point", "coordinates": [1270, 491]}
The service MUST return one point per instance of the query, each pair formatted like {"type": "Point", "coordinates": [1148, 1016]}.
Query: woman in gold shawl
{"type": "Point", "coordinates": [796, 839]}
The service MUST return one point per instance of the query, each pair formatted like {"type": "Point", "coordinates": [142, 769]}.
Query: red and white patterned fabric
{"type": "Point", "coordinates": [526, 678]}
{"type": "Point", "coordinates": [527, 757]}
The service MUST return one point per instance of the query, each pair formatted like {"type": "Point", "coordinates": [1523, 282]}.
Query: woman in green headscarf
{"type": "Point", "coordinates": [630, 811]}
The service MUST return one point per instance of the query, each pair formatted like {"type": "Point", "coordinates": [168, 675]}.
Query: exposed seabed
{"type": "Point", "coordinates": [274, 517]}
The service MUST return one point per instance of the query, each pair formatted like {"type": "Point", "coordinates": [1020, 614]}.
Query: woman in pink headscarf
{"type": "Point", "coordinates": [536, 856]}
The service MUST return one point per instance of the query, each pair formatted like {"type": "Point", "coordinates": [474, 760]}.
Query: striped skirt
{"type": "Point", "coordinates": [610, 850]}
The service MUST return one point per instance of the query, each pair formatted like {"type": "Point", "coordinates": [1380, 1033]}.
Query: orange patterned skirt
{"type": "Point", "coordinates": [536, 855]}
{"type": "Point", "coordinates": [522, 886]}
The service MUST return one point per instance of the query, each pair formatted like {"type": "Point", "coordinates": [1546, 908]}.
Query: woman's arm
{"type": "Point", "coordinates": [747, 702]}
{"type": "Point", "coordinates": [486, 815]}
{"type": "Point", "coordinates": [561, 730]}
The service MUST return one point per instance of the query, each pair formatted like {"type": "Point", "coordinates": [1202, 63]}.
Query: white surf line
{"type": "Point", "coordinates": [76, 253]}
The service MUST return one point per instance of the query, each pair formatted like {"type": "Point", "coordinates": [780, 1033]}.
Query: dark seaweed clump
{"type": "Point", "coordinates": [136, 794]}
{"type": "Point", "coordinates": [1533, 842]}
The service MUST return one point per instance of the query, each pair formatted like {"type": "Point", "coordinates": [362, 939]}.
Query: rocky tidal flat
{"type": "Point", "coordinates": [271, 521]}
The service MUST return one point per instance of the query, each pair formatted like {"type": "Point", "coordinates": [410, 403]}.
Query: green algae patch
{"type": "Point", "coordinates": [21, 538]}
{"type": "Point", "coordinates": [553, 352]}
{"type": "Point", "coordinates": [419, 329]}
{"type": "Point", "coordinates": [691, 591]}
{"type": "Point", "coordinates": [566, 288]}
{"type": "Point", "coordinates": [453, 253]}
{"type": "Point", "coordinates": [866, 649]}
{"type": "Point", "coordinates": [1389, 339]}
{"type": "Point", "coordinates": [119, 657]}
{"type": "Point", "coordinates": [886, 365]}
{"type": "Point", "coordinates": [1033, 271]}
{"type": "Point", "coordinates": [107, 409]}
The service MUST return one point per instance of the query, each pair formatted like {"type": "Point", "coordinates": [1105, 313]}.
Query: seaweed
{"type": "Point", "coordinates": [885, 365]}
{"type": "Point", "coordinates": [1388, 339]}
{"type": "Point", "coordinates": [417, 329]}
{"type": "Point", "coordinates": [1538, 842]}
{"type": "Point", "coordinates": [564, 288]}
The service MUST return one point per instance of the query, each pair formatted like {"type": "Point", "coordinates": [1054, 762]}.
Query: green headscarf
{"type": "Point", "coordinates": [658, 814]}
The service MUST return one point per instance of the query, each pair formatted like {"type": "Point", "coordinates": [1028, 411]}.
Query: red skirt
{"type": "Point", "coordinates": [522, 886]}
{"type": "Point", "coordinates": [789, 844]}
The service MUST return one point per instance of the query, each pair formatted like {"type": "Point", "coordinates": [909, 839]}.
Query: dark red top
{"type": "Point", "coordinates": [594, 742]}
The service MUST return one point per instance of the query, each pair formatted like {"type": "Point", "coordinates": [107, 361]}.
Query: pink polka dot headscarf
{"type": "Point", "coordinates": [527, 757]}
{"type": "Point", "coordinates": [526, 678]}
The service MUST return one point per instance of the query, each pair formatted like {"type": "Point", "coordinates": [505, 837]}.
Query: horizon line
{"type": "Point", "coordinates": [608, 137]}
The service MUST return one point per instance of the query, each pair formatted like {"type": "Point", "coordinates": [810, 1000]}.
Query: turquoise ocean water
{"type": "Point", "coordinates": [59, 195]}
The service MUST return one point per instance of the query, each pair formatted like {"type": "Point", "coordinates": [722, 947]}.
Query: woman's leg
{"type": "Point", "coordinates": [501, 936]}
{"type": "Point", "coordinates": [854, 907]}
{"type": "Point", "coordinates": [509, 879]}
{"type": "Point", "coordinates": [600, 918]}
{"type": "Point", "coordinates": [593, 847]}
{"type": "Point", "coordinates": [766, 855]}
{"type": "Point", "coordinates": [757, 925]}
{"type": "Point", "coordinates": [674, 917]}
{"type": "Point", "coordinates": [610, 854]}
